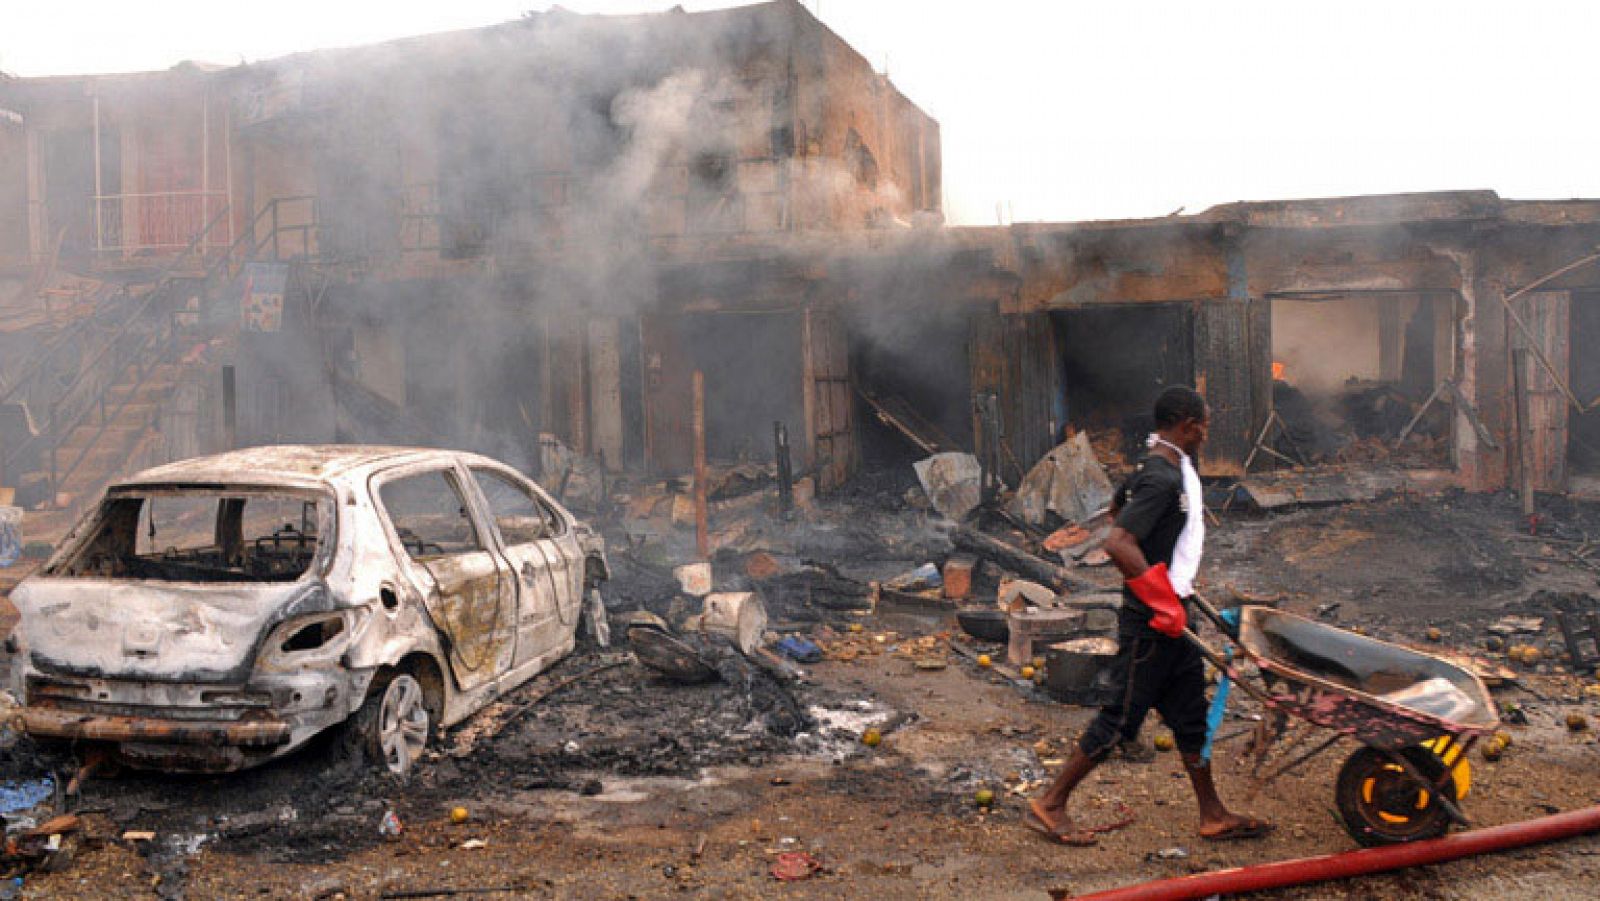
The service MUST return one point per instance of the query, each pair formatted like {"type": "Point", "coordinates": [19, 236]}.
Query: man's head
{"type": "Point", "coordinates": [1182, 418]}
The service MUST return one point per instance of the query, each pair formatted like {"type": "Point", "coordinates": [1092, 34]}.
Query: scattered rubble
{"type": "Point", "coordinates": [837, 636]}
{"type": "Point", "coordinates": [952, 482]}
{"type": "Point", "coordinates": [1068, 483]}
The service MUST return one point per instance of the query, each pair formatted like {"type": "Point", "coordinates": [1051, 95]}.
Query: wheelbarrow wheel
{"type": "Point", "coordinates": [1382, 805]}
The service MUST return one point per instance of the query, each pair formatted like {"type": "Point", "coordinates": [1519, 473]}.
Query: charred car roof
{"type": "Point", "coordinates": [290, 464]}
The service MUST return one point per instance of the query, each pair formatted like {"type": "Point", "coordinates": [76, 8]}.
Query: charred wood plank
{"type": "Point", "coordinates": [1019, 560]}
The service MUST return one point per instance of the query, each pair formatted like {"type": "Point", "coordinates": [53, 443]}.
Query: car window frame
{"type": "Point", "coordinates": [463, 488]}
{"type": "Point", "coordinates": [535, 492]}
{"type": "Point", "coordinates": [84, 531]}
{"type": "Point", "coordinates": [541, 499]}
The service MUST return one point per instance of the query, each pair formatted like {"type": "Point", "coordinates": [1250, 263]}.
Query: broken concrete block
{"type": "Point", "coordinates": [694, 579]}
{"type": "Point", "coordinates": [953, 483]}
{"type": "Point", "coordinates": [1037, 627]}
{"type": "Point", "coordinates": [1025, 592]}
{"type": "Point", "coordinates": [958, 572]}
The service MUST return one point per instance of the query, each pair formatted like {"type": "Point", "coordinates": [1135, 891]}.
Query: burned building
{"type": "Point", "coordinates": [548, 226]}
{"type": "Point", "coordinates": [464, 238]}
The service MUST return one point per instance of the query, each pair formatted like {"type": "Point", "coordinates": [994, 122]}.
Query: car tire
{"type": "Point", "coordinates": [394, 723]}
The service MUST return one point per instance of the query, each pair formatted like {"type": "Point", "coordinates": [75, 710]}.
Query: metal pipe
{"type": "Point", "coordinates": [1283, 873]}
{"type": "Point", "coordinates": [702, 536]}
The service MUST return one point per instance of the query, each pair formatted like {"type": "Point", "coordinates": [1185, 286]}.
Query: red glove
{"type": "Point", "coordinates": [1155, 589]}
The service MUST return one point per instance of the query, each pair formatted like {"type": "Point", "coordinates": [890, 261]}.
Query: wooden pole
{"type": "Point", "coordinates": [1519, 381]}
{"type": "Point", "coordinates": [702, 537]}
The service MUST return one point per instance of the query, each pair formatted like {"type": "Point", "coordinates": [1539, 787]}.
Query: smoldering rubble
{"type": "Point", "coordinates": [853, 469]}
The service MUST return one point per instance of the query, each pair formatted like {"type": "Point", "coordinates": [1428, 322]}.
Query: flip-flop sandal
{"type": "Point", "coordinates": [1250, 828]}
{"type": "Point", "coordinates": [1078, 838]}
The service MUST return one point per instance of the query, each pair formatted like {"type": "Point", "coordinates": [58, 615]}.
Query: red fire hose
{"type": "Point", "coordinates": [1357, 863]}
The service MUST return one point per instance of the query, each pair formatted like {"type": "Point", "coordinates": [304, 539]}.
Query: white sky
{"type": "Point", "coordinates": [1069, 109]}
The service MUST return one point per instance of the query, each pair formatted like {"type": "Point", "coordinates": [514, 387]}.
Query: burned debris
{"type": "Point", "coordinates": [796, 565]}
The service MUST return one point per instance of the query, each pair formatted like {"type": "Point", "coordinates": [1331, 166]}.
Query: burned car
{"type": "Point", "coordinates": [215, 613]}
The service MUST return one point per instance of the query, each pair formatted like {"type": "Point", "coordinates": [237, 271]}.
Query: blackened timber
{"type": "Point", "coordinates": [1019, 560]}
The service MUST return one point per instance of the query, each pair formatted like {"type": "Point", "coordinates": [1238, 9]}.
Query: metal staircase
{"type": "Point", "coordinates": [94, 393]}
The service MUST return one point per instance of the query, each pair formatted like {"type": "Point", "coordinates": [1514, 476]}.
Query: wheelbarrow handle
{"type": "Point", "coordinates": [1211, 612]}
{"type": "Point", "coordinates": [1222, 665]}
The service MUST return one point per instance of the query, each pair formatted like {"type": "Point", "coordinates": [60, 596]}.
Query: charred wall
{"type": "Point", "coordinates": [1583, 452]}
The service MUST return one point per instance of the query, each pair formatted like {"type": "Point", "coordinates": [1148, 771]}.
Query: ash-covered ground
{"type": "Point", "coordinates": [601, 778]}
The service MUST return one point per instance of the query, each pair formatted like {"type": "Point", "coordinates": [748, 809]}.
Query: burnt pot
{"type": "Point", "coordinates": [984, 624]}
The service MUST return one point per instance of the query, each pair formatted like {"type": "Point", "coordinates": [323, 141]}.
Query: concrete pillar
{"type": "Point", "coordinates": [1483, 372]}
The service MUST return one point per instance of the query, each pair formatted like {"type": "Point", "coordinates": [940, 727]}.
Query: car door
{"type": "Point", "coordinates": [442, 546]}
{"type": "Point", "coordinates": [566, 554]}
{"type": "Point", "coordinates": [546, 608]}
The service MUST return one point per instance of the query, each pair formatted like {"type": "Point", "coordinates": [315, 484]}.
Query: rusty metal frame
{"type": "Point", "coordinates": [68, 724]}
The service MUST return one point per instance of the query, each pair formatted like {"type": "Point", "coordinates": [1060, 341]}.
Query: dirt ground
{"type": "Point", "coordinates": [619, 784]}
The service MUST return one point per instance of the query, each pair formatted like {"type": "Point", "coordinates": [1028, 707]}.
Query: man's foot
{"type": "Point", "coordinates": [1235, 828]}
{"type": "Point", "coordinates": [1056, 826]}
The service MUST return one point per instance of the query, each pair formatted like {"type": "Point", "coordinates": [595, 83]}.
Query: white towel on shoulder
{"type": "Point", "coordinates": [1191, 541]}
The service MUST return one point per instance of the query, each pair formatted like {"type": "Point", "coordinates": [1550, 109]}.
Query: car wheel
{"type": "Point", "coordinates": [394, 723]}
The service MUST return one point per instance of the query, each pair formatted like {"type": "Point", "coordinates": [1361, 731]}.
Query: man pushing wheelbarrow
{"type": "Point", "coordinates": [1156, 543]}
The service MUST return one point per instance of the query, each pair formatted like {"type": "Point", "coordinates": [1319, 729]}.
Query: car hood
{"type": "Point", "coordinates": [162, 631]}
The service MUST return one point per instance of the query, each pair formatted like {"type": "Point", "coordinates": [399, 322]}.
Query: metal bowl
{"type": "Point", "coordinates": [984, 624]}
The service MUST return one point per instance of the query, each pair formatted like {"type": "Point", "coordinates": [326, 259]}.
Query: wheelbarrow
{"type": "Point", "coordinates": [1415, 716]}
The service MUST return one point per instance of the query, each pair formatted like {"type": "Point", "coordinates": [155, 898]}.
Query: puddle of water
{"type": "Point", "coordinates": [25, 794]}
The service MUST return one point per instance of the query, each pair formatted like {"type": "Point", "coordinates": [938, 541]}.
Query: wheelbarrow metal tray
{"type": "Point", "coordinates": [1384, 695]}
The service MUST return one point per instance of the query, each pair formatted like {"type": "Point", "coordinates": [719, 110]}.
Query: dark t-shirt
{"type": "Point", "coordinates": [1153, 512]}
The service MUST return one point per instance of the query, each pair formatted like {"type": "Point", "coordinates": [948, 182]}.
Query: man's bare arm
{"type": "Point", "coordinates": [1123, 549]}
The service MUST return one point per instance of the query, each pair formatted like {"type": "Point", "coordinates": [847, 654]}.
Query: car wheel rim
{"type": "Point", "coordinates": [402, 724]}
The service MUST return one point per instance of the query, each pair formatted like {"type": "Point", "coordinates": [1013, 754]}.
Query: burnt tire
{"type": "Point", "coordinates": [1381, 804]}
{"type": "Point", "coordinates": [395, 722]}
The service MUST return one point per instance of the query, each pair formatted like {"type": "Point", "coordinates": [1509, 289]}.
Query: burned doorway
{"type": "Point", "coordinates": [1583, 432]}
{"type": "Point", "coordinates": [1115, 360]}
{"type": "Point", "coordinates": [753, 363]}
{"type": "Point", "coordinates": [912, 383]}
{"type": "Point", "coordinates": [1351, 371]}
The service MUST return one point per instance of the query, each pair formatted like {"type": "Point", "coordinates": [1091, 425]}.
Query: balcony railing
{"type": "Point", "coordinates": [159, 222]}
